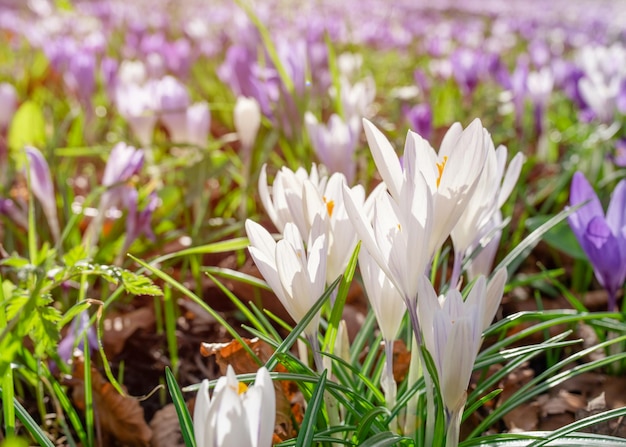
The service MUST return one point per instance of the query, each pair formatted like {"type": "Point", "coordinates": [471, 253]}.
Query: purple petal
{"type": "Point", "coordinates": [581, 192]}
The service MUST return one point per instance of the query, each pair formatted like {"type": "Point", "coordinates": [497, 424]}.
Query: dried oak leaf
{"type": "Point", "coordinates": [289, 400]}
{"type": "Point", "coordinates": [117, 416]}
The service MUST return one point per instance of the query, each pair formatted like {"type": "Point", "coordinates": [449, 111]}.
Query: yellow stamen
{"type": "Point", "coordinates": [440, 167]}
{"type": "Point", "coordinates": [242, 388]}
{"type": "Point", "coordinates": [330, 206]}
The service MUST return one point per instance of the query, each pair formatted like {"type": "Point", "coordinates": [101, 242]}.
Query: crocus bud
{"type": "Point", "coordinates": [137, 105]}
{"type": "Point", "coordinates": [247, 120]}
{"type": "Point", "coordinates": [198, 124]}
{"type": "Point", "coordinates": [42, 187]}
{"type": "Point", "coordinates": [81, 75]}
{"type": "Point", "coordinates": [124, 162]}
{"type": "Point", "coordinates": [8, 104]}
{"type": "Point", "coordinates": [173, 101]}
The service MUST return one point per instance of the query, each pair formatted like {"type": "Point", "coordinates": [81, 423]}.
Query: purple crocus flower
{"type": "Point", "coordinates": [420, 118]}
{"type": "Point", "coordinates": [619, 157]}
{"type": "Point", "coordinates": [43, 188]}
{"type": "Point", "coordinates": [124, 162]}
{"type": "Point", "coordinates": [80, 325]}
{"type": "Point", "coordinates": [603, 238]}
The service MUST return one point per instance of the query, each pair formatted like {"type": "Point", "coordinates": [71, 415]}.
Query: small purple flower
{"type": "Point", "coordinates": [80, 325]}
{"type": "Point", "coordinates": [137, 222]}
{"type": "Point", "coordinates": [42, 187]}
{"type": "Point", "coordinates": [603, 238]}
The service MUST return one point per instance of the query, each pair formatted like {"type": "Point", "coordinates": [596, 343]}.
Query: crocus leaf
{"type": "Point", "coordinates": [184, 418]}
{"type": "Point", "coordinates": [560, 237]}
{"type": "Point", "coordinates": [307, 428]}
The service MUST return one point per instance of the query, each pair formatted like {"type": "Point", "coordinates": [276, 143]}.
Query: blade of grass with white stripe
{"type": "Point", "coordinates": [30, 424]}
{"type": "Point", "coordinates": [184, 418]}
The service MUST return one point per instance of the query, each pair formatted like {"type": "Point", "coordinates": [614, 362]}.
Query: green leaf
{"type": "Point", "coordinates": [184, 418]}
{"type": "Point", "coordinates": [560, 236]}
{"type": "Point", "coordinates": [383, 439]}
{"type": "Point", "coordinates": [76, 254]}
{"type": "Point", "coordinates": [138, 284]}
{"type": "Point", "coordinates": [307, 428]}
{"type": "Point", "coordinates": [28, 127]}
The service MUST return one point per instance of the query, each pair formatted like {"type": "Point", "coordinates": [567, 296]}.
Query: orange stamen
{"type": "Point", "coordinates": [440, 167]}
{"type": "Point", "coordinates": [330, 206]}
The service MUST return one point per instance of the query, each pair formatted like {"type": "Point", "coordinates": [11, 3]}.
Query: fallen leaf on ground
{"type": "Point", "coordinates": [166, 428]}
{"type": "Point", "coordinates": [117, 416]}
{"type": "Point", "coordinates": [118, 328]}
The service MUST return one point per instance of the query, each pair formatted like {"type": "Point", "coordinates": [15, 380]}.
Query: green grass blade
{"type": "Point", "coordinates": [31, 425]}
{"type": "Point", "coordinates": [384, 439]}
{"type": "Point", "coordinates": [184, 418]}
{"type": "Point", "coordinates": [340, 301]}
{"type": "Point", "coordinates": [307, 428]}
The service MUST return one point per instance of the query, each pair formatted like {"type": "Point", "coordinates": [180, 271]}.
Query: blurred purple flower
{"type": "Point", "coordinates": [173, 100]}
{"type": "Point", "coordinates": [335, 143]}
{"type": "Point", "coordinates": [420, 118]}
{"type": "Point", "coordinates": [8, 104]}
{"type": "Point", "coordinates": [81, 76]}
{"type": "Point", "coordinates": [17, 214]}
{"type": "Point", "coordinates": [80, 325]}
{"type": "Point", "coordinates": [124, 162]}
{"type": "Point", "coordinates": [43, 188]}
{"type": "Point", "coordinates": [137, 222]}
{"type": "Point", "coordinates": [603, 238]}
{"type": "Point", "coordinates": [137, 104]}
{"type": "Point", "coordinates": [198, 123]}
{"type": "Point", "coordinates": [619, 158]}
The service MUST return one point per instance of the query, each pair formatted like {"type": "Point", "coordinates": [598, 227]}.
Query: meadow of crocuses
{"type": "Point", "coordinates": [255, 223]}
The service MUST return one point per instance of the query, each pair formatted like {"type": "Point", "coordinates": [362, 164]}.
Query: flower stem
{"type": "Point", "coordinates": [388, 384]}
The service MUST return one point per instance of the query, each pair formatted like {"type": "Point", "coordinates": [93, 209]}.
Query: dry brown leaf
{"type": "Point", "coordinates": [118, 328]}
{"type": "Point", "coordinates": [166, 428]}
{"type": "Point", "coordinates": [524, 417]}
{"type": "Point", "coordinates": [116, 416]}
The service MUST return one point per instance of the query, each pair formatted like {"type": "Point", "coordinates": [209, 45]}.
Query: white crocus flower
{"type": "Point", "coordinates": [295, 274]}
{"type": "Point", "coordinates": [298, 198]}
{"type": "Point", "coordinates": [397, 236]}
{"type": "Point", "coordinates": [341, 236]}
{"type": "Point", "coordinates": [452, 332]}
{"type": "Point", "coordinates": [383, 296]}
{"type": "Point", "coordinates": [492, 189]}
{"type": "Point", "coordinates": [283, 201]}
{"type": "Point", "coordinates": [247, 117]}
{"type": "Point", "coordinates": [236, 414]}
{"type": "Point", "coordinates": [451, 174]}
